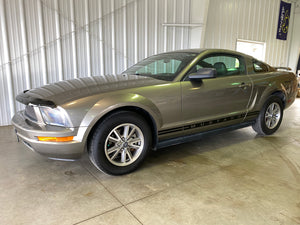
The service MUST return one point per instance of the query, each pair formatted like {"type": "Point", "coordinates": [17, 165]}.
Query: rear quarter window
{"type": "Point", "coordinates": [260, 67]}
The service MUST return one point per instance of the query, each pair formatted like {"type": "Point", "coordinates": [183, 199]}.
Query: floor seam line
{"type": "Point", "coordinates": [122, 205]}
{"type": "Point", "coordinates": [102, 184]}
{"type": "Point", "coordinates": [170, 187]}
{"type": "Point", "coordinates": [133, 214]}
{"type": "Point", "coordinates": [100, 214]}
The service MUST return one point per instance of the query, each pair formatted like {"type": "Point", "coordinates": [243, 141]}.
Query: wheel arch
{"type": "Point", "coordinates": [142, 112]}
{"type": "Point", "coordinates": [265, 96]}
{"type": "Point", "coordinates": [281, 95]}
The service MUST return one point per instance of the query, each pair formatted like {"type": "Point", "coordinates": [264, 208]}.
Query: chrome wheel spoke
{"type": "Point", "coordinates": [129, 154]}
{"type": "Point", "coordinates": [112, 139]}
{"type": "Point", "coordinates": [125, 133]}
{"type": "Point", "coordinates": [116, 132]}
{"type": "Point", "coordinates": [132, 141]}
{"type": "Point", "coordinates": [274, 107]}
{"type": "Point", "coordinates": [131, 133]}
{"type": "Point", "coordinates": [269, 122]}
{"type": "Point", "coordinates": [113, 149]}
{"type": "Point", "coordinates": [123, 156]}
{"type": "Point", "coordinates": [134, 146]}
{"type": "Point", "coordinates": [274, 120]}
{"type": "Point", "coordinates": [271, 108]}
{"type": "Point", "coordinates": [116, 153]}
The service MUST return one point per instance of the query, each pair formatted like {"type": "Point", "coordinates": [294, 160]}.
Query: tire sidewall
{"type": "Point", "coordinates": [265, 129]}
{"type": "Point", "coordinates": [97, 150]}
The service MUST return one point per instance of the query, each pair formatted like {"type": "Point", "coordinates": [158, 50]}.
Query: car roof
{"type": "Point", "coordinates": [211, 50]}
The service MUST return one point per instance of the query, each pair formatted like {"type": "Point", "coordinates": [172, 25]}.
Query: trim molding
{"type": "Point", "coordinates": [207, 123]}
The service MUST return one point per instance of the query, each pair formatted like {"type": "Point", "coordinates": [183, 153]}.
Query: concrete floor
{"type": "Point", "coordinates": [231, 178]}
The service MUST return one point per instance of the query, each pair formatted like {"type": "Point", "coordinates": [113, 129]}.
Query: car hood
{"type": "Point", "coordinates": [70, 90]}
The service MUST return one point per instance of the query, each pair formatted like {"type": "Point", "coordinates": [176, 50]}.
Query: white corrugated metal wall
{"type": "Point", "coordinates": [44, 41]}
{"type": "Point", "coordinates": [254, 20]}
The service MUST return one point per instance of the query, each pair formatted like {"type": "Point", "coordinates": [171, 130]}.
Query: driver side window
{"type": "Point", "coordinates": [225, 65]}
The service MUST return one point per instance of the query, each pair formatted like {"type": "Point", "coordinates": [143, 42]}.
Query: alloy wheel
{"type": "Point", "coordinates": [272, 115]}
{"type": "Point", "coordinates": [124, 144]}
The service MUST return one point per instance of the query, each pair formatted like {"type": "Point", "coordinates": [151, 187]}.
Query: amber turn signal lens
{"type": "Point", "coordinates": [56, 139]}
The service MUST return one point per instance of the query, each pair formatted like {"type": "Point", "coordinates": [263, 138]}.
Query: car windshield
{"type": "Point", "coordinates": [164, 66]}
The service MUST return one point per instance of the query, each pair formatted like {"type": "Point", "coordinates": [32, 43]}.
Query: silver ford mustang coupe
{"type": "Point", "coordinates": [163, 100]}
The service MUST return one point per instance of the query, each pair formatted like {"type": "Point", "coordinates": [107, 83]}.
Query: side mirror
{"type": "Point", "coordinates": [204, 73]}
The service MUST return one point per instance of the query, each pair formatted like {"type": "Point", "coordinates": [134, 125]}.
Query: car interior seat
{"type": "Point", "coordinates": [220, 68]}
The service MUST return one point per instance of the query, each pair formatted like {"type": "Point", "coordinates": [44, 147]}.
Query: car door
{"type": "Point", "coordinates": [218, 101]}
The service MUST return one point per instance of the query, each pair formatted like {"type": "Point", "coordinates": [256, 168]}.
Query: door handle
{"type": "Point", "coordinates": [243, 85]}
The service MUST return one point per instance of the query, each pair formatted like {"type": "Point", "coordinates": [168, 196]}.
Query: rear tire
{"type": "Point", "coordinates": [120, 143]}
{"type": "Point", "coordinates": [270, 117]}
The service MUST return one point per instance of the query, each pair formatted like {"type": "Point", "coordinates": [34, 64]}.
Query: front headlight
{"type": "Point", "coordinates": [55, 116]}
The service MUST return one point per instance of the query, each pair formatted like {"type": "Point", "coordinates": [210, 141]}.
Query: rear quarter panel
{"type": "Point", "coordinates": [266, 84]}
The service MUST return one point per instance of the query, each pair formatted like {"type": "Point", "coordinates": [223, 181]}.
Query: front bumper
{"type": "Point", "coordinates": [28, 132]}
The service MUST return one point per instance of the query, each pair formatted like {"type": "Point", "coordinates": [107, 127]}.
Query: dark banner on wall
{"type": "Point", "coordinates": [283, 20]}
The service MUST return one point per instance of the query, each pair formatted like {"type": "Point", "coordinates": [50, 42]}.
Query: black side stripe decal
{"type": "Point", "coordinates": [207, 123]}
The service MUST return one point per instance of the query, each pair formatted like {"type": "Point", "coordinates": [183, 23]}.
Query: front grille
{"type": "Point", "coordinates": [30, 113]}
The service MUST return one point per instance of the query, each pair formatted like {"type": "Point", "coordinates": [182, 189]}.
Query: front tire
{"type": "Point", "coordinates": [120, 143]}
{"type": "Point", "coordinates": [270, 117]}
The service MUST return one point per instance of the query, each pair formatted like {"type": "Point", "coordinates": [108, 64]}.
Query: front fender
{"type": "Point", "coordinates": [113, 102]}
